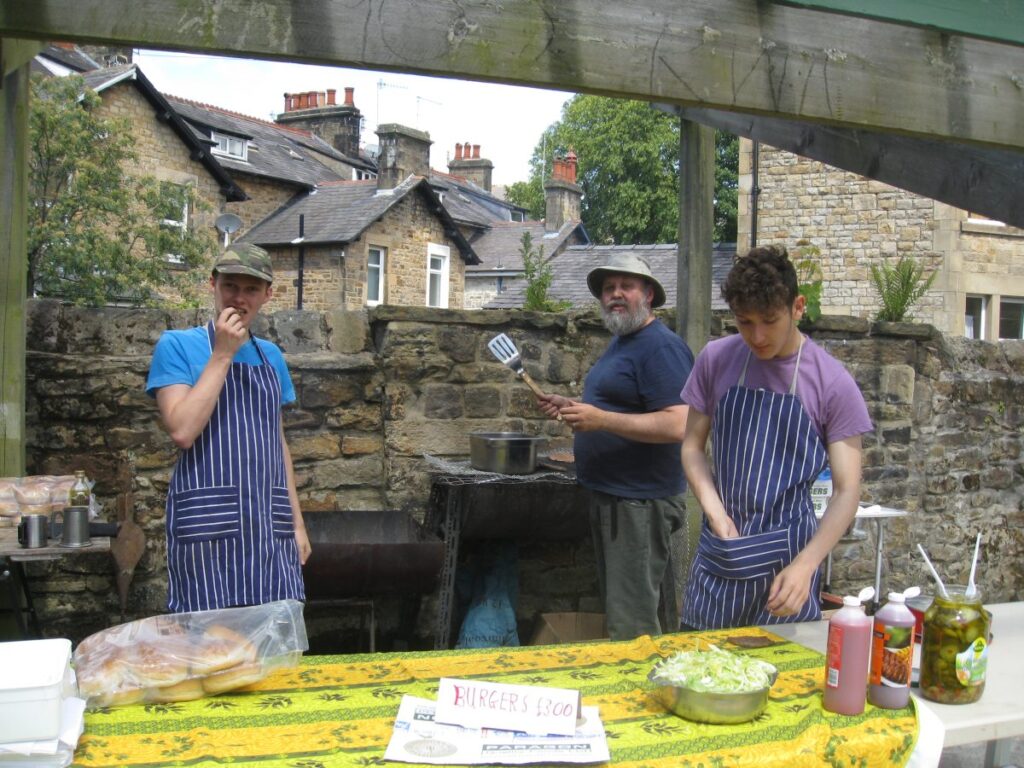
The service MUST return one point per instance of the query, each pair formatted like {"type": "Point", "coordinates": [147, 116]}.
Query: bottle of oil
{"type": "Point", "coordinates": [80, 491]}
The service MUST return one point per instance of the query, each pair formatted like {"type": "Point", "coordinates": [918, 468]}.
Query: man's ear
{"type": "Point", "coordinates": [799, 305]}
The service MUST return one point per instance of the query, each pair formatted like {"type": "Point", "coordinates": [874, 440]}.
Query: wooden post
{"type": "Point", "coordinates": [696, 229]}
{"type": "Point", "coordinates": [14, 55]}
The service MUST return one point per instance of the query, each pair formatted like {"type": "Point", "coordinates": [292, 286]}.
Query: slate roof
{"type": "Point", "coordinates": [570, 269]}
{"type": "Point", "coordinates": [338, 213]}
{"type": "Point", "coordinates": [276, 152]}
{"type": "Point", "coordinates": [101, 79]}
{"type": "Point", "coordinates": [500, 246]}
{"type": "Point", "coordinates": [73, 58]}
{"type": "Point", "coordinates": [470, 204]}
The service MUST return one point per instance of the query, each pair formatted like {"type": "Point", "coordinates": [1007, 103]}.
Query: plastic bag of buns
{"type": "Point", "coordinates": [185, 656]}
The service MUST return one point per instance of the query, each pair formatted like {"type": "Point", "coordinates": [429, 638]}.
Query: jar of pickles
{"type": "Point", "coordinates": [954, 649]}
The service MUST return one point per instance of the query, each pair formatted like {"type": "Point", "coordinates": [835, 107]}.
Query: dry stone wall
{"type": "Point", "coordinates": [380, 390]}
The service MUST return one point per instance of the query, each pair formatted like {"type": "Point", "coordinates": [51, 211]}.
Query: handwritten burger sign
{"type": "Point", "coordinates": [528, 708]}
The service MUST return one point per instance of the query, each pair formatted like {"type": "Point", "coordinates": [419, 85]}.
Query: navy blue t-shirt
{"type": "Point", "coordinates": [639, 373]}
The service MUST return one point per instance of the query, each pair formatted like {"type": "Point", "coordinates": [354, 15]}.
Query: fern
{"type": "Point", "coordinates": [809, 279]}
{"type": "Point", "coordinates": [900, 287]}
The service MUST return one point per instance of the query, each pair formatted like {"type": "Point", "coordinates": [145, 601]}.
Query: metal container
{"type": "Point", "coordinates": [708, 707]}
{"type": "Point", "coordinates": [33, 531]}
{"type": "Point", "coordinates": [507, 453]}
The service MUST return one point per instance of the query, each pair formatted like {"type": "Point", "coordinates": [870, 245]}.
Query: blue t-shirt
{"type": "Point", "coordinates": [638, 373]}
{"type": "Point", "coordinates": [181, 356]}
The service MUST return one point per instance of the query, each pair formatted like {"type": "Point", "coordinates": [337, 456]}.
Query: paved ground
{"type": "Point", "coordinates": [973, 755]}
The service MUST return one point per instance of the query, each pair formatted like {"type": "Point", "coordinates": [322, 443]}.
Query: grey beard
{"type": "Point", "coordinates": [621, 324]}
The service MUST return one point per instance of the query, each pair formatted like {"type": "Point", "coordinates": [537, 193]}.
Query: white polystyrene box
{"type": "Point", "coordinates": [34, 679]}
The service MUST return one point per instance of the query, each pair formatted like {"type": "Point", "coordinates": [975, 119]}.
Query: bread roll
{"type": "Point", "coordinates": [118, 698]}
{"type": "Point", "coordinates": [236, 677]}
{"type": "Point", "coordinates": [220, 648]}
{"type": "Point", "coordinates": [149, 666]}
{"type": "Point", "coordinates": [186, 690]}
{"type": "Point", "coordinates": [34, 494]}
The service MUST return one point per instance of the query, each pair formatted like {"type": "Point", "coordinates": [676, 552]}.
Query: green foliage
{"type": "Point", "coordinates": [900, 286]}
{"type": "Point", "coordinates": [538, 279]}
{"type": "Point", "coordinates": [628, 170]}
{"type": "Point", "coordinates": [809, 278]}
{"type": "Point", "coordinates": [97, 234]}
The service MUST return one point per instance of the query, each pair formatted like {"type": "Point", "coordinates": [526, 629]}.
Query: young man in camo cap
{"type": "Point", "coordinates": [235, 534]}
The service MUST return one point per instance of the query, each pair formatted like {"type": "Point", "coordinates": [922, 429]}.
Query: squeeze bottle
{"type": "Point", "coordinates": [846, 662]}
{"type": "Point", "coordinates": [892, 652]}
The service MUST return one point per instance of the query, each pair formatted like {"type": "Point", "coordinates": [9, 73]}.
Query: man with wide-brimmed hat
{"type": "Point", "coordinates": [235, 533]}
{"type": "Point", "coordinates": [628, 430]}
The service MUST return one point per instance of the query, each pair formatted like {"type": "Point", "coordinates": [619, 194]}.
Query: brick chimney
{"type": "Point", "coordinates": [319, 113]}
{"type": "Point", "coordinates": [469, 165]}
{"type": "Point", "coordinates": [562, 195]}
{"type": "Point", "coordinates": [403, 151]}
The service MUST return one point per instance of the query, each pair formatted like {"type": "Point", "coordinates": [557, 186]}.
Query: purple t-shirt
{"type": "Point", "coordinates": [825, 388]}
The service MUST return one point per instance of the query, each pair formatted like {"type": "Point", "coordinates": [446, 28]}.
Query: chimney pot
{"type": "Point", "coordinates": [349, 97]}
{"type": "Point", "coordinates": [314, 97]}
{"type": "Point", "coordinates": [476, 151]}
{"type": "Point", "coordinates": [332, 97]}
{"type": "Point", "coordinates": [287, 102]}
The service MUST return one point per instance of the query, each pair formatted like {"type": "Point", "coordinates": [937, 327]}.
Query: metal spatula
{"type": "Point", "coordinates": [503, 348]}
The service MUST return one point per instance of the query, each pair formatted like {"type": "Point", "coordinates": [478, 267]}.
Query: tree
{"type": "Point", "coordinates": [628, 169]}
{"type": "Point", "coordinates": [538, 278]}
{"type": "Point", "coordinates": [97, 234]}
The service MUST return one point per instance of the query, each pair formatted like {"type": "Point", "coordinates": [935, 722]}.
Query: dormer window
{"type": "Point", "coordinates": [232, 146]}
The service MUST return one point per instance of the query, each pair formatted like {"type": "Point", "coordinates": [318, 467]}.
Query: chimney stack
{"type": "Point", "coordinates": [318, 112]}
{"type": "Point", "coordinates": [469, 165]}
{"type": "Point", "coordinates": [403, 151]}
{"type": "Point", "coordinates": [562, 195]}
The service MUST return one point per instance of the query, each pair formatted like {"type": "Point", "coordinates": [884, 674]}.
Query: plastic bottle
{"type": "Point", "coordinates": [846, 663]}
{"type": "Point", "coordinates": [892, 652]}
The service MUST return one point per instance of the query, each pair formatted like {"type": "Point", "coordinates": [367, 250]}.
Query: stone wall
{"type": "Point", "coordinates": [378, 390]}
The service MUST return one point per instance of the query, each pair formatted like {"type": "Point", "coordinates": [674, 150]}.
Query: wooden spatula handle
{"type": "Point", "coordinates": [536, 390]}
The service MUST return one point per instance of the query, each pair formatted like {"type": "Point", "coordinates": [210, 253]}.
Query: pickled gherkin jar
{"type": "Point", "coordinates": [954, 649]}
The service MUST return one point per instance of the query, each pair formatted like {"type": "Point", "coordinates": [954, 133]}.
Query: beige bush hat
{"type": "Point", "coordinates": [625, 264]}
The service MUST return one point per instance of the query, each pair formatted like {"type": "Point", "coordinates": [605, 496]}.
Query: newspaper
{"type": "Point", "coordinates": [418, 739]}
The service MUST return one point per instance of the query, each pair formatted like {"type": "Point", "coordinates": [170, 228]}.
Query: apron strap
{"type": "Point", "coordinates": [796, 370]}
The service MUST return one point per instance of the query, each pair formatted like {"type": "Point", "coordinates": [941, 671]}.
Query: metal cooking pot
{"type": "Point", "coordinates": [507, 453]}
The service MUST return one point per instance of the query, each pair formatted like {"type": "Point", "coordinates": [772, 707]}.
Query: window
{"type": "Point", "coordinates": [974, 317]}
{"type": "Point", "coordinates": [437, 275]}
{"type": "Point", "coordinates": [173, 214]}
{"type": "Point", "coordinates": [360, 175]}
{"type": "Point", "coordinates": [232, 146]}
{"type": "Point", "coordinates": [375, 276]}
{"type": "Point", "coordinates": [1011, 319]}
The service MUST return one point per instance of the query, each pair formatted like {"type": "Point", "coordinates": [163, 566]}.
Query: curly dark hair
{"type": "Point", "coordinates": [764, 279]}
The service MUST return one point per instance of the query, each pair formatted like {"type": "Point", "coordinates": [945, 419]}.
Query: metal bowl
{"type": "Point", "coordinates": [507, 453]}
{"type": "Point", "coordinates": [707, 707]}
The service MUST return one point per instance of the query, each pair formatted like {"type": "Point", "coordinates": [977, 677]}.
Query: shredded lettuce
{"type": "Point", "coordinates": [715, 671]}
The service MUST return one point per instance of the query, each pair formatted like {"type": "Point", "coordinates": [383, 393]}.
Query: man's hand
{"type": "Point", "coordinates": [789, 590]}
{"type": "Point", "coordinates": [582, 417]}
{"type": "Point", "coordinates": [551, 405]}
{"type": "Point", "coordinates": [302, 541]}
{"type": "Point", "coordinates": [229, 332]}
{"type": "Point", "coordinates": [722, 525]}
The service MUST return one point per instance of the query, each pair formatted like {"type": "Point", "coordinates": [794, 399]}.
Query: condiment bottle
{"type": "Point", "coordinates": [892, 652]}
{"type": "Point", "coordinates": [846, 662]}
{"type": "Point", "coordinates": [80, 491]}
{"type": "Point", "coordinates": [954, 649]}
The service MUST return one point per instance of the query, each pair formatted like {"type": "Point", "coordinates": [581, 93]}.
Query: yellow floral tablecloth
{"type": "Point", "coordinates": [339, 710]}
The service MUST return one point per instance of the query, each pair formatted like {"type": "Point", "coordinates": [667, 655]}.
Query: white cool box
{"type": "Point", "coordinates": [35, 678]}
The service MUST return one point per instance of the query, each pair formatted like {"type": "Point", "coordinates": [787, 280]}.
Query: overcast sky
{"type": "Point", "coordinates": [506, 121]}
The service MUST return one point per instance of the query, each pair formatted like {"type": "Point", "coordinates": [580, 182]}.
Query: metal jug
{"type": "Point", "coordinates": [73, 526]}
{"type": "Point", "coordinates": [33, 531]}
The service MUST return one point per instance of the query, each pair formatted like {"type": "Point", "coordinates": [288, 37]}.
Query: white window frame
{"type": "Point", "coordinates": [229, 146]}
{"type": "Point", "coordinates": [441, 274]}
{"type": "Point", "coordinates": [984, 315]}
{"type": "Point", "coordinates": [181, 223]}
{"type": "Point", "coordinates": [381, 270]}
{"type": "Point", "coordinates": [1010, 300]}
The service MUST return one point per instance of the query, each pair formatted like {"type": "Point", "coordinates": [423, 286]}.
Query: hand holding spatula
{"type": "Point", "coordinates": [503, 348]}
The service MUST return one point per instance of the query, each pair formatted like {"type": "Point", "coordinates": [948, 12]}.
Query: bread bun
{"type": "Point", "coordinates": [236, 677]}
{"type": "Point", "coordinates": [186, 690]}
{"type": "Point", "coordinates": [148, 665]}
{"type": "Point", "coordinates": [34, 494]}
{"type": "Point", "coordinates": [221, 648]}
{"type": "Point", "coordinates": [119, 698]}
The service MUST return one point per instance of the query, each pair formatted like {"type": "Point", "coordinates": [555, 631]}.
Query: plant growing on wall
{"type": "Point", "coordinates": [809, 278]}
{"type": "Point", "coordinates": [538, 278]}
{"type": "Point", "coordinates": [96, 233]}
{"type": "Point", "coordinates": [900, 286]}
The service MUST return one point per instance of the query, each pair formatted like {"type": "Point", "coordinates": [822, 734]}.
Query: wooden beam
{"type": "Point", "coordinates": [696, 232]}
{"type": "Point", "coordinates": [980, 180]}
{"type": "Point", "coordinates": [13, 223]}
{"type": "Point", "coordinates": [739, 55]}
{"type": "Point", "coordinates": [15, 53]}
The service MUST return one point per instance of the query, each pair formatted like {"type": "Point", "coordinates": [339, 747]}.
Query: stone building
{"type": "Point", "coordinates": [856, 223]}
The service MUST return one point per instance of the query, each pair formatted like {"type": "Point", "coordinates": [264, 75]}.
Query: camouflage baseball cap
{"type": "Point", "coordinates": [245, 259]}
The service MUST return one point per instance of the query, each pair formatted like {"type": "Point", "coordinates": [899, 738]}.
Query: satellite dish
{"type": "Point", "coordinates": [228, 223]}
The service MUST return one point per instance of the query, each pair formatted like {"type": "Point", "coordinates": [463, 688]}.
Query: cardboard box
{"type": "Point", "coordinates": [35, 677]}
{"type": "Point", "coordinates": [554, 628]}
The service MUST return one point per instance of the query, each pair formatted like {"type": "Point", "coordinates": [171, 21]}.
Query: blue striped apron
{"type": "Point", "coordinates": [766, 454]}
{"type": "Point", "coordinates": [230, 534]}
